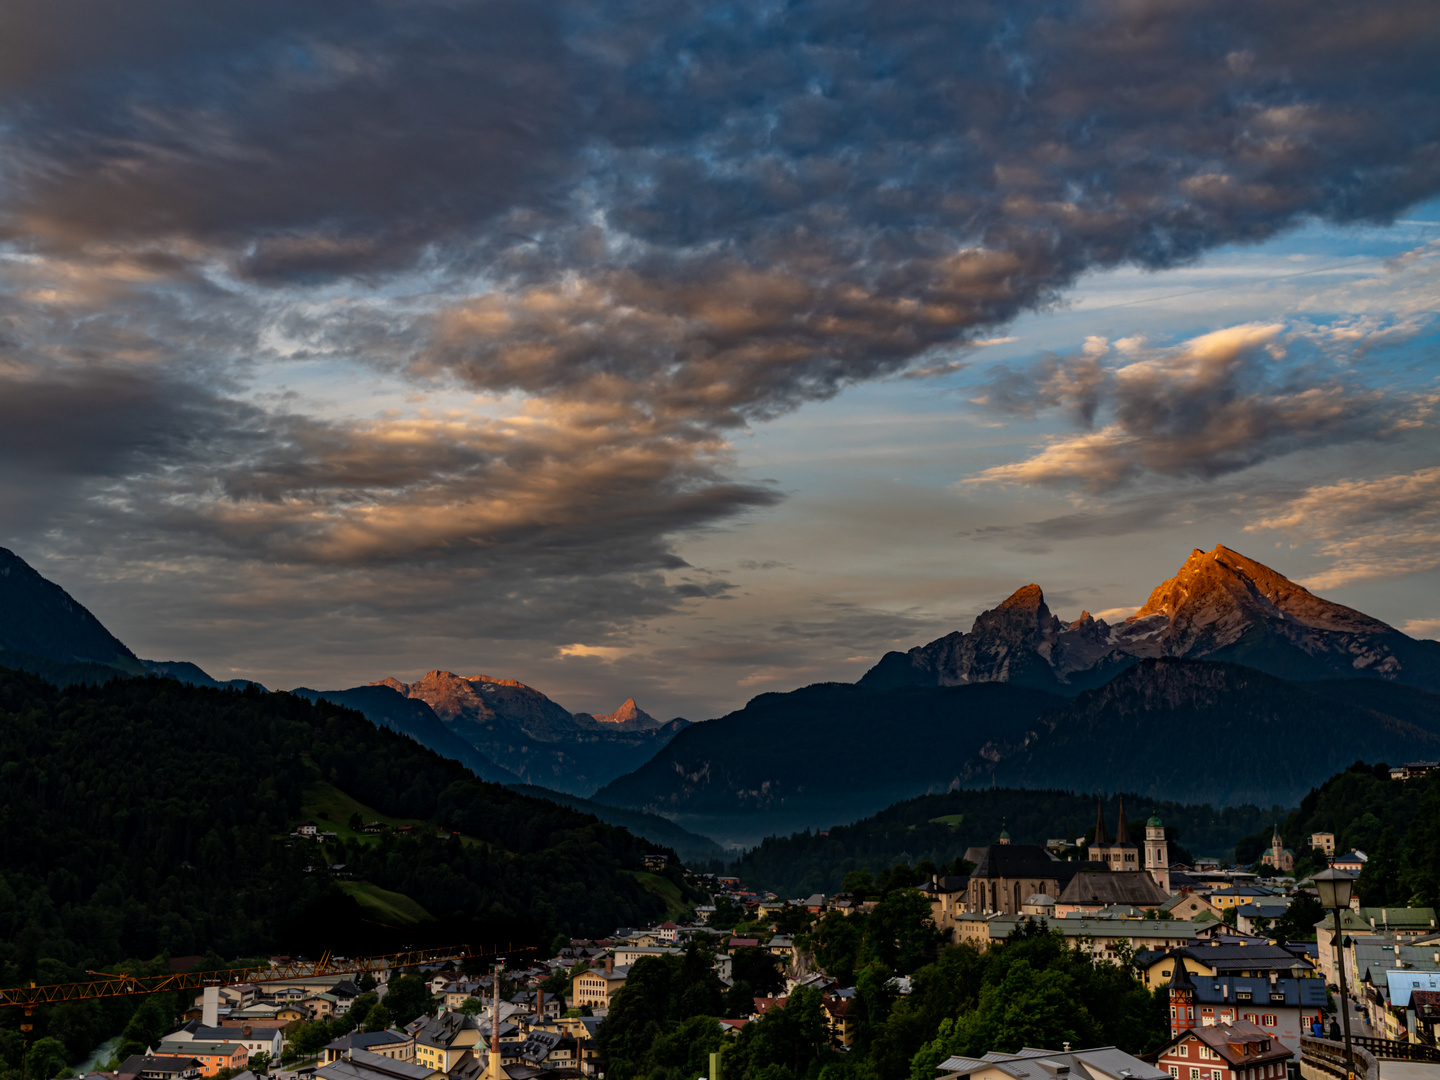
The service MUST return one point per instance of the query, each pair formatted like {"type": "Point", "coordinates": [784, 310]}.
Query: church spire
{"type": "Point", "coordinates": [1101, 836]}
{"type": "Point", "coordinates": [1122, 830]}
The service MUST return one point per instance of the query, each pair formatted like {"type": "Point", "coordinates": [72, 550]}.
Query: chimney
{"type": "Point", "coordinates": [609, 965]}
{"type": "Point", "coordinates": [210, 1007]}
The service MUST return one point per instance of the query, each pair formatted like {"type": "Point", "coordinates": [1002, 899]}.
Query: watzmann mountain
{"type": "Point", "coordinates": [1220, 606]}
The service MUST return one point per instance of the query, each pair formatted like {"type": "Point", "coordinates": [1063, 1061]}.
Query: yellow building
{"type": "Point", "coordinates": [597, 987]}
{"type": "Point", "coordinates": [443, 1039]}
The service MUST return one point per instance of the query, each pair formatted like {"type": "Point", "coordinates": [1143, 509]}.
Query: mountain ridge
{"type": "Point", "coordinates": [1220, 605]}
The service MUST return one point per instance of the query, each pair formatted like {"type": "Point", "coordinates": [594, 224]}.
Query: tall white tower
{"type": "Point", "coordinates": [1157, 852]}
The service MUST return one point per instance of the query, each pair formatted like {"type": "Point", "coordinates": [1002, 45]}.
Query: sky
{"type": "Point", "coordinates": [693, 350]}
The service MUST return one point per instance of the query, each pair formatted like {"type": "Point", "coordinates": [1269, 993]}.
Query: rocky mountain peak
{"type": "Point", "coordinates": [1224, 589]}
{"type": "Point", "coordinates": [628, 715]}
{"type": "Point", "coordinates": [1027, 598]}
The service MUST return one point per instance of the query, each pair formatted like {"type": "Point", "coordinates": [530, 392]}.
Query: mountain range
{"type": "Point", "coordinates": [502, 730]}
{"type": "Point", "coordinates": [1230, 684]}
{"type": "Point", "coordinates": [1220, 606]}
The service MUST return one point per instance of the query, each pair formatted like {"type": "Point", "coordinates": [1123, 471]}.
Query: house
{"type": "Point", "coordinates": [212, 1056]}
{"type": "Point", "coordinates": [266, 1040]}
{"type": "Point", "coordinates": [655, 863]}
{"type": "Point", "coordinates": [1230, 896]}
{"type": "Point", "coordinates": [596, 987]}
{"type": "Point", "coordinates": [947, 900]}
{"type": "Point", "coordinates": [1007, 873]}
{"type": "Point", "coordinates": [308, 829]}
{"type": "Point", "coordinates": [1256, 918]}
{"type": "Point", "coordinates": [441, 1040]}
{"type": "Point", "coordinates": [1218, 959]}
{"type": "Point", "coordinates": [395, 1045]}
{"type": "Point", "coordinates": [1090, 890]}
{"type": "Point", "coordinates": [1238, 1051]}
{"type": "Point", "coordinates": [455, 992]}
{"type": "Point", "coordinates": [1039, 906]}
{"type": "Point", "coordinates": [169, 1067]}
{"type": "Point", "coordinates": [1114, 940]}
{"type": "Point", "coordinates": [839, 1009]}
{"type": "Point", "coordinates": [1323, 841]}
{"type": "Point", "coordinates": [1353, 861]}
{"type": "Point", "coordinates": [357, 1064]}
{"type": "Point", "coordinates": [1100, 1063]}
{"type": "Point", "coordinates": [781, 945]}
{"type": "Point", "coordinates": [1414, 770]}
{"type": "Point", "coordinates": [666, 931]}
{"type": "Point", "coordinates": [322, 1006]}
{"type": "Point", "coordinates": [544, 1006]}
{"type": "Point", "coordinates": [626, 955]}
{"type": "Point", "coordinates": [1191, 905]}
{"type": "Point", "coordinates": [1284, 1008]}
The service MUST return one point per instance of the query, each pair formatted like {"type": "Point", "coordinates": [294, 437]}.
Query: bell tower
{"type": "Point", "coordinates": [1157, 852]}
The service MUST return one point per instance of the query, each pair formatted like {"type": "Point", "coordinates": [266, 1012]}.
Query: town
{"type": "Point", "coordinates": [1246, 960]}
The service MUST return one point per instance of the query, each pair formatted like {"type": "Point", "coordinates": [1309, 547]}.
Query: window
{"type": "Point", "coordinates": [1194, 1073]}
{"type": "Point", "coordinates": [1269, 1020]}
{"type": "Point", "coordinates": [1175, 1071]}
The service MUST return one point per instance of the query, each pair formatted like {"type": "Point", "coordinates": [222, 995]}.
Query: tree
{"type": "Point", "coordinates": [1298, 922]}
{"type": "Point", "coordinates": [46, 1059]}
{"type": "Point", "coordinates": [378, 1020]}
{"type": "Point", "coordinates": [472, 1006]}
{"type": "Point", "coordinates": [260, 1062]}
{"type": "Point", "coordinates": [408, 997]}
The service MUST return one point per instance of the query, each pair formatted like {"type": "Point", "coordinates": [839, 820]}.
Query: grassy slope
{"type": "Point", "coordinates": [331, 808]}
{"type": "Point", "coordinates": [666, 890]}
{"type": "Point", "coordinates": [390, 908]}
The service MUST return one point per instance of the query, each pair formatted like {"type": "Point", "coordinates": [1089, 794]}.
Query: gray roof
{"type": "Point", "coordinates": [363, 1065]}
{"type": "Point", "coordinates": [363, 1040]}
{"type": "Point", "coordinates": [1113, 887]}
{"type": "Point", "coordinates": [1102, 1063]}
{"type": "Point", "coordinates": [1022, 860]}
{"type": "Point", "coordinates": [1226, 990]}
{"type": "Point", "coordinates": [1232, 958]}
{"type": "Point", "coordinates": [1135, 929]}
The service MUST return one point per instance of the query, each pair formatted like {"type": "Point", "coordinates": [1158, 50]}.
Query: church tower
{"type": "Point", "coordinates": [1157, 852]}
{"type": "Point", "coordinates": [1100, 846]}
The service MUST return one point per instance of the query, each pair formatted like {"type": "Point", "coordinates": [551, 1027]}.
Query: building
{"type": "Point", "coordinates": [440, 1040]}
{"type": "Point", "coordinates": [145, 1067]}
{"type": "Point", "coordinates": [1353, 861]}
{"type": "Point", "coordinates": [1091, 890]}
{"type": "Point", "coordinates": [1414, 770]}
{"type": "Point", "coordinates": [1279, 857]}
{"type": "Point", "coordinates": [1119, 854]}
{"type": "Point", "coordinates": [1219, 959]}
{"type": "Point", "coordinates": [1323, 841]}
{"type": "Point", "coordinates": [395, 1045]}
{"type": "Point", "coordinates": [596, 987]}
{"type": "Point", "coordinates": [1284, 1008]}
{"type": "Point", "coordinates": [947, 900]}
{"type": "Point", "coordinates": [1193, 906]}
{"type": "Point", "coordinates": [1115, 940]}
{"type": "Point", "coordinates": [1257, 918]}
{"type": "Point", "coordinates": [1238, 896]}
{"type": "Point", "coordinates": [1400, 923]}
{"type": "Point", "coordinates": [1007, 873]}
{"type": "Point", "coordinates": [356, 1064]}
{"type": "Point", "coordinates": [266, 1040]}
{"type": "Point", "coordinates": [1100, 1063]}
{"type": "Point", "coordinates": [211, 1056]}
{"type": "Point", "coordinates": [1238, 1051]}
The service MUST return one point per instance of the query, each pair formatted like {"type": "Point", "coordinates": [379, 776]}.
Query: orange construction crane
{"type": "Point", "coordinates": [105, 985]}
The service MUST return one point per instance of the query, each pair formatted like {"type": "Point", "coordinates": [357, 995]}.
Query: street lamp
{"type": "Point", "coordinates": [1334, 888]}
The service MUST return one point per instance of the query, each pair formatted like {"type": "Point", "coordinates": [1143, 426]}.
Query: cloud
{"type": "Point", "coordinates": [1213, 405]}
{"type": "Point", "coordinates": [1381, 527]}
{"type": "Point", "coordinates": [631, 229]}
{"type": "Point", "coordinates": [1423, 628]}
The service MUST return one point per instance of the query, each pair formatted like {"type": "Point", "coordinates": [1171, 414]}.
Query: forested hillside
{"type": "Point", "coordinates": [1395, 822]}
{"type": "Point", "coordinates": [938, 828]}
{"type": "Point", "coordinates": [144, 817]}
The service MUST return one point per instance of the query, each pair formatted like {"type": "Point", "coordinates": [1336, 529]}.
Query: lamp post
{"type": "Point", "coordinates": [1334, 888]}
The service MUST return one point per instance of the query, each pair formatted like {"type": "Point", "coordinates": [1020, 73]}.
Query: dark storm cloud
{"type": "Point", "coordinates": [655, 221]}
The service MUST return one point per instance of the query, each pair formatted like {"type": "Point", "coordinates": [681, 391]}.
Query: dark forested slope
{"type": "Point", "coordinates": [144, 816]}
{"type": "Point", "coordinates": [939, 828]}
